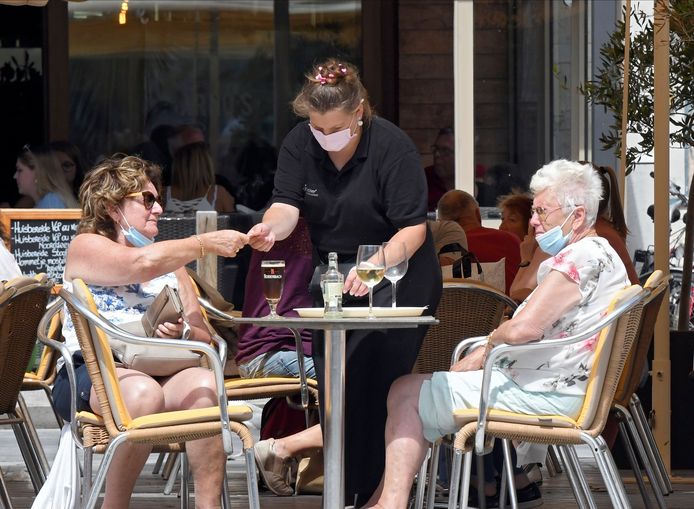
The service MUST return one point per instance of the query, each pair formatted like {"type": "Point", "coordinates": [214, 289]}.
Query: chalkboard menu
{"type": "Point", "coordinates": [38, 238]}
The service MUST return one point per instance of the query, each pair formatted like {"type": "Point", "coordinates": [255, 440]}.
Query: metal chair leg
{"type": "Point", "coordinates": [608, 470]}
{"type": "Point", "coordinates": [510, 475]}
{"type": "Point", "coordinates": [577, 480]}
{"type": "Point", "coordinates": [552, 457]}
{"type": "Point", "coordinates": [225, 491]}
{"type": "Point", "coordinates": [29, 456]}
{"type": "Point", "coordinates": [158, 464]}
{"type": "Point", "coordinates": [169, 464]}
{"type": "Point", "coordinates": [634, 463]}
{"type": "Point", "coordinates": [4, 494]}
{"type": "Point", "coordinates": [251, 480]}
{"type": "Point", "coordinates": [465, 486]}
{"type": "Point", "coordinates": [173, 473]}
{"type": "Point", "coordinates": [481, 499]}
{"type": "Point", "coordinates": [434, 470]}
{"type": "Point", "coordinates": [421, 481]}
{"type": "Point", "coordinates": [644, 430]}
{"type": "Point", "coordinates": [630, 431]}
{"type": "Point", "coordinates": [33, 437]}
{"type": "Point", "coordinates": [185, 493]}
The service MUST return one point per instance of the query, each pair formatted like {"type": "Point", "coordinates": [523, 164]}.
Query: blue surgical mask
{"type": "Point", "coordinates": [136, 238]}
{"type": "Point", "coordinates": [554, 240]}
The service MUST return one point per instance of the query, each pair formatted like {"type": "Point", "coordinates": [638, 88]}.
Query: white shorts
{"type": "Point", "coordinates": [448, 391]}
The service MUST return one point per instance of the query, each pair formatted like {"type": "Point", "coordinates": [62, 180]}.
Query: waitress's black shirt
{"type": "Point", "coordinates": [381, 189]}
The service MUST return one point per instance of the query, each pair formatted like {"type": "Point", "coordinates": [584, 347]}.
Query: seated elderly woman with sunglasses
{"type": "Point", "coordinates": [114, 254]}
{"type": "Point", "coordinates": [575, 285]}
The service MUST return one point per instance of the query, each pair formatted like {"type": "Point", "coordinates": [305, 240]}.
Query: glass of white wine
{"type": "Point", "coordinates": [371, 266]}
{"type": "Point", "coordinates": [396, 265]}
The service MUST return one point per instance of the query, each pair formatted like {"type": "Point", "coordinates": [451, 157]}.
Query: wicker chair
{"type": "Point", "coordinates": [467, 308]}
{"type": "Point", "coordinates": [115, 426]}
{"type": "Point", "coordinates": [22, 303]}
{"type": "Point", "coordinates": [617, 331]}
{"type": "Point", "coordinates": [626, 407]}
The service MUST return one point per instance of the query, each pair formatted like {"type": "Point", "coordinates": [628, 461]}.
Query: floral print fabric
{"type": "Point", "coordinates": [599, 273]}
{"type": "Point", "coordinates": [119, 304]}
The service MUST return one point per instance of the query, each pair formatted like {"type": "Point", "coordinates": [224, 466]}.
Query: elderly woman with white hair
{"type": "Point", "coordinates": [575, 285]}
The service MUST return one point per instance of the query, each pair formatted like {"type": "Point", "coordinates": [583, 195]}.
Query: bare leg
{"type": "Point", "coordinates": [303, 441]}
{"type": "Point", "coordinates": [142, 395]}
{"type": "Point", "coordinates": [195, 388]}
{"type": "Point", "coordinates": [405, 443]}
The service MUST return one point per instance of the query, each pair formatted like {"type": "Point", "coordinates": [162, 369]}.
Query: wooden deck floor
{"type": "Point", "coordinates": [556, 492]}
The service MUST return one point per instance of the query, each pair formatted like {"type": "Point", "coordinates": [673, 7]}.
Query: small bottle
{"type": "Point", "coordinates": [331, 284]}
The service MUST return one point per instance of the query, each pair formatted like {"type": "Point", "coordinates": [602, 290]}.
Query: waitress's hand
{"type": "Point", "coordinates": [353, 284]}
{"type": "Point", "coordinates": [261, 237]}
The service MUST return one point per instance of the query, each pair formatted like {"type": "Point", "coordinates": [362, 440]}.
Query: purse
{"type": "Point", "coordinates": [153, 359]}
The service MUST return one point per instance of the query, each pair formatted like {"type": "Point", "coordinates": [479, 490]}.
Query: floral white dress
{"type": "Point", "coordinates": [597, 269]}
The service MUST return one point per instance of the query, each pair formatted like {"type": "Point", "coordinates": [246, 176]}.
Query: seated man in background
{"type": "Point", "coordinates": [449, 238]}
{"type": "Point", "coordinates": [488, 244]}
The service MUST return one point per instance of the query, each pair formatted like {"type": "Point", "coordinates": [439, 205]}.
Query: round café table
{"type": "Point", "coordinates": [334, 398]}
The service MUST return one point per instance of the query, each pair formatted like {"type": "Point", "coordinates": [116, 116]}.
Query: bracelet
{"type": "Point", "coordinates": [523, 264]}
{"type": "Point", "coordinates": [202, 246]}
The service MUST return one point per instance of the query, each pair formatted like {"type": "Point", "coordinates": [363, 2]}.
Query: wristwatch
{"type": "Point", "coordinates": [523, 264]}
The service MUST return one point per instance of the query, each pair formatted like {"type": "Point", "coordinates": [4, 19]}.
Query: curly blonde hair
{"type": "Point", "coordinates": [107, 184]}
{"type": "Point", "coordinates": [332, 85]}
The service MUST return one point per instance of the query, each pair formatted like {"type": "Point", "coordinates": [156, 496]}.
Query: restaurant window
{"type": "Point", "coordinates": [225, 69]}
{"type": "Point", "coordinates": [530, 58]}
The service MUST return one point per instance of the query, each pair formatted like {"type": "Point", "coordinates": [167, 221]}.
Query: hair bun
{"type": "Point", "coordinates": [332, 73]}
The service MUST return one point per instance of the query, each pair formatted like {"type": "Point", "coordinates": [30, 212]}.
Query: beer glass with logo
{"type": "Point", "coordinates": [273, 280]}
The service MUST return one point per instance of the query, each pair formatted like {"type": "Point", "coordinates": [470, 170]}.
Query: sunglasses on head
{"type": "Point", "coordinates": [148, 198]}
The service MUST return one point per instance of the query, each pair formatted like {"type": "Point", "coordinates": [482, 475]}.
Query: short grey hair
{"type": "Point", "coordinates": [572, 184]}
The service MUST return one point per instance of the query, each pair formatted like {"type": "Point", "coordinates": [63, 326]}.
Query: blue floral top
{"type": "Point", "coordinates": [118, 304]}
{"type": "Point", "coordinates": [599, 273]}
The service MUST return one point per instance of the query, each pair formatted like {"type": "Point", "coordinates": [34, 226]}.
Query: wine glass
{"type": "Point", "coordinates": [396, 264]}
{"type": "Point", "coordinates": [273, 281]}
{"type": "Point", "coordinates": [371, 266]}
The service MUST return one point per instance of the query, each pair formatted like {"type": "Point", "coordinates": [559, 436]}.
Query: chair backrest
{"type": "Point", "coordinates": [466, 309]}
{"type": "Point", "coordinates": [638, 357]}
{"type": "Point", "coordinates": [611, 351]}
{"type": "Point", "coordinates": [22, 304]}
{"type": "Point", "coordinates": [98, 357]}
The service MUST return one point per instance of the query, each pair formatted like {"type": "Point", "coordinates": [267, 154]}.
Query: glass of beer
{"type": "Point", "coordinates": [273, 281]}
{"type": "Point", "coordinates": [371, 266]}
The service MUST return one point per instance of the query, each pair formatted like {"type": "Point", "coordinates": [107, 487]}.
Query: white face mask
{"type": "Point", "coordinates": [334, 142]}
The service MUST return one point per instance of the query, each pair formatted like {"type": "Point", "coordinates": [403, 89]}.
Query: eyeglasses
{"type": "Point", "coordinates": [542, 213]}
{"type": "Point", "coordinates": [67, 165]}
{"type": "Point", "coordinates": [443, 151]}
{"type": "Point", "coordinates": [148, 198]}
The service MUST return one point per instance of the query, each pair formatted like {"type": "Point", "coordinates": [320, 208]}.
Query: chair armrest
{"type": "Point", "coordinates": [499, 350]}
{"type": "Point", "coordinates": [462, 347]}
{"type": "Point", "coordinates": [44, 325]}
{"type": "Point", "coordinates": [214, 312]}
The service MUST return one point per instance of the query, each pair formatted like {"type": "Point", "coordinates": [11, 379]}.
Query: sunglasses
{"type": "Point", "coordinates": [148, 198]}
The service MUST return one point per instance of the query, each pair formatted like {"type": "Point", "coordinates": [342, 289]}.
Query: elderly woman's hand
{"type": "Point", "coordinates": [471, 362]}
{"type": "Point", "coordinates": [224, 242]}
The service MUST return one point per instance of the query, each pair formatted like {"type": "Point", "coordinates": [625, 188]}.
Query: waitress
{"type": "Point", "coordinates": [357, 179]}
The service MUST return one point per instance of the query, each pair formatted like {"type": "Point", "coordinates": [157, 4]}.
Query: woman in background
{"type": "Point", "coordinates": [515, 214]}
{"type": "Point", "coordinates": [40, 177]}
{"type": "Point", "coordinates": [193, 185]}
